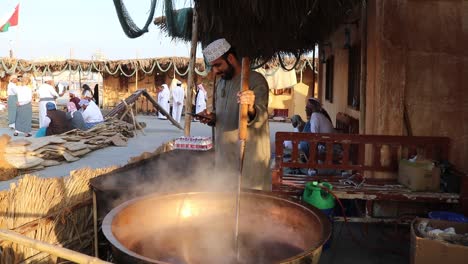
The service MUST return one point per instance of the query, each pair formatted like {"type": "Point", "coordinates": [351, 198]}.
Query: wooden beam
{"type": "Point", "coordinates": [363, 77]}
{"type": "Point", "coordinates": [160, 109]}
{"type": "Point", "coordinates": [51, 249]}
{"type": "Point", "coordinates": [190, 81]}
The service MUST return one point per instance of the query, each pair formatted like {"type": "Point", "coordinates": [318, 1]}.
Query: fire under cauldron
{"type": "Point", "coordinates": [198, 227]}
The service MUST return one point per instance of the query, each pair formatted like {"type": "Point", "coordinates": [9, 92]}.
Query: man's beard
{"type": "Point", "coordinates": [229, 73]}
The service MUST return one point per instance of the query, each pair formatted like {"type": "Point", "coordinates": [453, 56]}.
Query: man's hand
{"type": "Point", "coordinates": [206, 117]}
{"type": "Point", "coordinates": [248, 98]}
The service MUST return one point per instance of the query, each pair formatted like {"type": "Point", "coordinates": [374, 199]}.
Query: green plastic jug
{"type": "Point", "coordinates": [314, 195]}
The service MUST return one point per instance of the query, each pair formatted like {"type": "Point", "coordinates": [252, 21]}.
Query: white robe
{"type": "Point", "coordinates": [24, 109]}
{"type": "Point", "coordinates": [320, 124]}
{"type": "Point", "coordinates": [11, 88]}
{"type": "Point", "coordinates": [200, 102]}
{"type": "Point", "coordinates": [92, 113]}
{"type": "Point", "coordinates": [12, 100]}
{"type": "Point", "coordinates": [24, 95]}
{"type": "Point", "coordinates": [47, 94]}
{"type": "Point", "coordinates": [178, 95]}
{"type": "Point", "coordinates": [163, 101]}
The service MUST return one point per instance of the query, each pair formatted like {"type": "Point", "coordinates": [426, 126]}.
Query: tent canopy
{"type": "Point", "coordinates": [260, 29]}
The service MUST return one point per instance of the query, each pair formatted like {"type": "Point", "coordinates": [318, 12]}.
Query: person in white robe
{"type": "Point", "coordinates": [46, 94]}
{"type": "Point", "coordinates": [12, 100]}
{"type": "Point", "coordinates": [91, 113]}
{"type": "Point", "coordinates": [163, 100]}
{"type": "Point", "coordinates": [23, 120]}
{"type": "Point", "coordinates": [200, 101]}
{"type": "Point", "coordinates": [178, 95]}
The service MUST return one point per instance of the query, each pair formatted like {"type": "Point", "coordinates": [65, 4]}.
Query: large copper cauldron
{"type": "Point", "coordinates": [199, 228]}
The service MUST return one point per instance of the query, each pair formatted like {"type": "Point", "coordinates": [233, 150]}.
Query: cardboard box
{"type": "Point", "coordinates": [429, 251]}
{"type": "Point", "coordinates": [420, 175]}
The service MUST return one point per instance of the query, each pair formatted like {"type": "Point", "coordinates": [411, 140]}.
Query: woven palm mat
{"type": "Point", "coordinates": [37, 153]}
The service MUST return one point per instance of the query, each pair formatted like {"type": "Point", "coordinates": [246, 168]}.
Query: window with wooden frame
{"type": "Point", "coordinates": [354, 76]}
{"type": "Point", "coordinates": [329, 79]}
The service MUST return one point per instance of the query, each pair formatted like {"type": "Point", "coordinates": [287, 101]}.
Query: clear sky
{"type": "Point", "coordinates": [80, 28]}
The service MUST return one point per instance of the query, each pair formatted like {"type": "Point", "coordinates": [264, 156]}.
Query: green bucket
{"type": "Point", "coordinates": [316, 196]}
{"type": "Point", "coordinates": [321, 199]}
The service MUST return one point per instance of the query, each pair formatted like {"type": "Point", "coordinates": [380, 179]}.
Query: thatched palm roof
{"type": "Point", "coordinates": [10, 66]}
{"type": "Point", "coordinates": [261, 29]}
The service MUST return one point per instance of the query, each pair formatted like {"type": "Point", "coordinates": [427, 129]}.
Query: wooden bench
{"type": "Point", "coordinates": [362, 157]}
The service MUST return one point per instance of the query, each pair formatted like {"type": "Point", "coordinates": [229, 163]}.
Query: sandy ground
{"type": "Point", "coordinates": [157, 132]}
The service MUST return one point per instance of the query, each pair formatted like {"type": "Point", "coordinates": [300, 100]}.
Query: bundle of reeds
{"type": "Point", "coordinates": [53, 210]}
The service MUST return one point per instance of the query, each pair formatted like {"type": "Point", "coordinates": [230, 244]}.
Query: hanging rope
{"type": "Point", "coordinates": [203, 73]}
{"type": "Point", "coordinates": [96, 68]}
{"type": "Point", "coordinates": [12, 69]}
{"type": "Point", "coordinates": [150, 71]}
{"type": "Point", "coordinates": [297, 55]}
{"type": "Point", "coordinates": [129, 27]}
{"type": "Point", "coordinates": [60, 72]}
{"type": "Point", "coordinates": [71, 69]}
{"type": "Point", "coordinates": [108, 70]}
{"type": "Point", "coordinates": [128, 75]}
{"type": "Point", "coordinates": [159, 66]}
{"type": "Point", "coordinates": [177, 71]}
{"type": "Point", "coordinates": [259, 65]}
{"type": "Point", "coordinates": [24, 69]}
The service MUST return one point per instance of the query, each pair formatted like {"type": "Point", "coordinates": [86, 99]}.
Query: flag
{"type": "Point", "coordinates": [10, 20]}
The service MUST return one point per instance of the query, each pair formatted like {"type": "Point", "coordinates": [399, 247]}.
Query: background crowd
{"type": "Point", "coordinates": [81, 112]}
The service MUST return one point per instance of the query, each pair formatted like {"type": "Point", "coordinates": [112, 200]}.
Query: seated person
{"type": "Point", "coordinates": [298, 126]}
{"type": "Point", "coordinates": [87, 94]}
{"type": "Point", "coordinates": [91, 113]}
{"type": "Point", "coordinates": [319, 122]}
{"type": "Point", "coordinates": [56, 120]}
{"type": "Point", "coordinates": [75, 117]}
{"type": "Point", "coordinates": [74, 99]}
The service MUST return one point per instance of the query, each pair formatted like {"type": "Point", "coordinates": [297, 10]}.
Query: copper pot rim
{"type": "Point", "coordinates": [107, 221]}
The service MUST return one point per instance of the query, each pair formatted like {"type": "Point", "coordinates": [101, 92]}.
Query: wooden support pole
{"type": "Point", "coordinates": [51, 249]}
{"type": "Point", "coordinates": [313, 73]}
{"type": "Point", "coordinates": [190, 81]}
{"type": "Point", "coordinates": [129, 107]}
{"type": "Point", "coordinates": [213, 107]}
{"type": "Point", "coordinates": [95, 226]}
{"type": "Point", "coordinates": [136, 84]}
{"type": "Point", "coordinates": [243, 118]}
{"type": "Point", "coordinates": [363, 77]}
{"type": "Point", "coordinates": [243, 109]}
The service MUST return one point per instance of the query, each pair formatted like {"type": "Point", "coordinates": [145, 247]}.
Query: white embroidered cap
{"type": "Point", "coordinates": [216, 49]}
{"type": "Point", "coordinates": [46, 78]}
